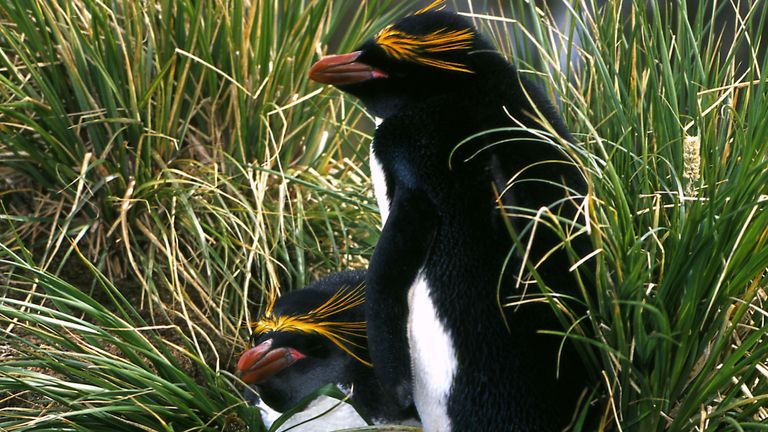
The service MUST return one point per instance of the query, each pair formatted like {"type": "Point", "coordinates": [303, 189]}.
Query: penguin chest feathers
{"type": "Point", "coordinates": [379, 186]}
{"type": "Point", "coordinates": [433, 357]}
{"type": "Point", "coordinates": [322, 414]}
{"type": "Point", "coordinates": [431, 346]}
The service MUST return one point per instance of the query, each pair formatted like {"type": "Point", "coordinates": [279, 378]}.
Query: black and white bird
{"type": "Point", "coordinates": [307, 339]}
{"type": "Point", "coordinates": [459, 155]}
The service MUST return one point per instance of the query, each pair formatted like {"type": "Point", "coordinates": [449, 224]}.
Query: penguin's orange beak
{"type": "Point", "coordinates": [261, 362]}
{"type": "Point", "coordinates": [343, 69]}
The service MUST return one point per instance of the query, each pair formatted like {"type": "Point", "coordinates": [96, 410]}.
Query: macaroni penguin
{"type": "Point", "coordinates": [462, 160]}
{"type": "Point", "coordinates": [311, 337]}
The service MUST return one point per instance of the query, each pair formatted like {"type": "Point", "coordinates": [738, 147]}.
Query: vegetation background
{"type": "Point", "coordinates": [166, 164]}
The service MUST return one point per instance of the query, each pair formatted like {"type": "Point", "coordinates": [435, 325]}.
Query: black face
{"type": "Point", "coordinates": [286, 365]}
{"type": "Point", "coordinates": [412, 60]}
{"type": "Point", "coordinates": [323, 364]}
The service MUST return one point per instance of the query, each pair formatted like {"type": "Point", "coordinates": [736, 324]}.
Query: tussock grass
{"type": "Point", "coordinates": [178, 147]}
{"type": "Point", "coordinates": [101, 103]}
{"type": "Point", "coordinates": [75, 363]}
{"type": "Point", "coordinates": [669, 109]}
{"type": "Point", "coordinates": [170, 160]}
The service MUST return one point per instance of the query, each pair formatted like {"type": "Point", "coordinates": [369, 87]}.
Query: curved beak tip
{"type": "Point", "coordinates": [262, 362]}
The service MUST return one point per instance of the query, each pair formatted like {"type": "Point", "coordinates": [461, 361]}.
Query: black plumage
{"type": "Point", "coordinates": [436, 82]}
{"type": "Point", "coordinates": [313, 337]}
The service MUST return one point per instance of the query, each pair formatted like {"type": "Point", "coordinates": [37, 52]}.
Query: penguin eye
{"type": "Point", "coordinates": [310, 344]}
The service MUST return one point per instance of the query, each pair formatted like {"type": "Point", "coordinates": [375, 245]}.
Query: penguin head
{"type": "Point", "coordinates": [306, 339]}
{"type": "Point", "coordinates": [420, 56]}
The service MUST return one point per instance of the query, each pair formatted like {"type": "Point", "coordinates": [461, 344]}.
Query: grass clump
{"type": "Point", "coordinates": [76, 363]}
{"type": "Point", "coordinates": [667, 111]}
{"type": "Point", "coordinates": [178, 147]}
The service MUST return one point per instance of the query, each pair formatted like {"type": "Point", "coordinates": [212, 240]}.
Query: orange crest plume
{"type": "Point", "coordinates": [318, 321]}
{"type": "Point", "coordinates": [416, 48]}
{"type": "Point", "coordinates": [435, 5]}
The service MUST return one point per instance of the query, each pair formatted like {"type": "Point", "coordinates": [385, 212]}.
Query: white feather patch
{"type": "Point", "coordinates": [433, 358]}
{"type": "Point", "coordinates": [379, 186]}
{"type": "Point", "coordinates": [342, 416]}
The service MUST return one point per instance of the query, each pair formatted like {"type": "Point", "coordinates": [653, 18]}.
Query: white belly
{"type": "Point", "coordinates": [328, 413]}
{"type": "Point", "coordinates": [433, 358]}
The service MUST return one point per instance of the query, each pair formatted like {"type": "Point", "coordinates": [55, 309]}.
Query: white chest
{"type": "Point", "coordinates": [379, 182]}
{"type": "Point", "coordinates": [321, 415]}
{"type": "Point", "coordinates": [379, 186]}
{"type": "Point", "coordinates": [433, 358]}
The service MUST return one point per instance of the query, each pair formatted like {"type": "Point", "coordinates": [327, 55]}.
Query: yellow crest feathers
{"type": "Point", "coordinates": [318, 321]}
{"type": "Point", "coordinates": [416, 48]}
{"type": "Point", "coordinates": [435, 5]}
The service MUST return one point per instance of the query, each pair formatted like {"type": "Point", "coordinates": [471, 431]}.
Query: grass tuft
{"type": "Point", "coordinates": [166, 164]}
{"type": "Point", "coordinates": [667, 114]}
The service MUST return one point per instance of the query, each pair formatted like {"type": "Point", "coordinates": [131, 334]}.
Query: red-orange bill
{"type": "Point", "coordinates": [340, 70]}
{"type": "Point", "coordinates": [262, 362]}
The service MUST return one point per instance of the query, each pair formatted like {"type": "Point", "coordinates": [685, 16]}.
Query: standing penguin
{"type": "Point", "coordinates": [309, 338]}
{"type": "Point", "coordinates": [456, 158]}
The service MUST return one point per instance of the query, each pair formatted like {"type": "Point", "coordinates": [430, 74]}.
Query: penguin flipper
{"type": "Point", "coordinates": [400, 253]}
